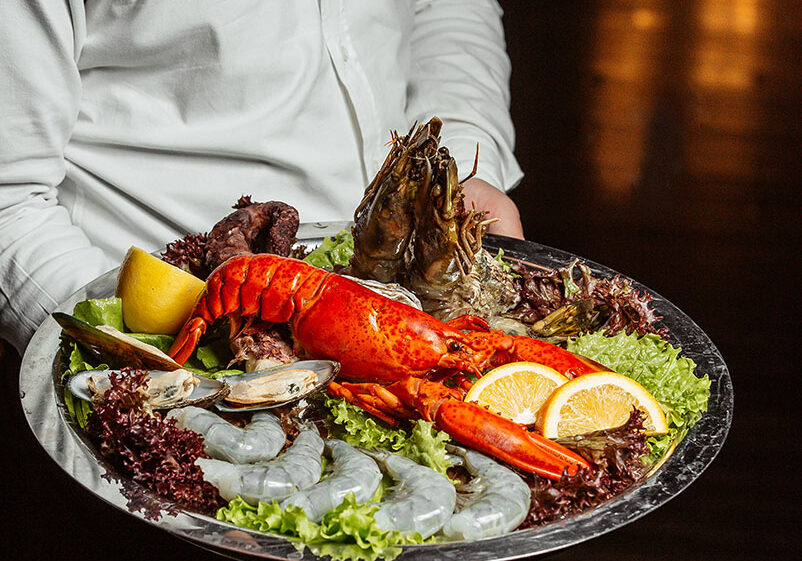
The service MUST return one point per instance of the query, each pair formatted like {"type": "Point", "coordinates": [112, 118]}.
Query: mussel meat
{"type": "Point", "coordinates": [165, 390]}
{"type": "Point", "coordinates": [278, 386]}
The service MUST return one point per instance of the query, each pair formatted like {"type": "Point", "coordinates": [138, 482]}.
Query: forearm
{"type": "Point", "coordinates": [43, 257]}
{"type": "Point", "coordinates": [460, 73]}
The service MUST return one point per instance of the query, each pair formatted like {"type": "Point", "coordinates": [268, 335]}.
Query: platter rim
{"type": "Point", "coordinates": [69, 447]}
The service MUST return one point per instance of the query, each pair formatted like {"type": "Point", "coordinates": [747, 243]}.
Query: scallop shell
{"type": "Point", "coordinates": [277, 386]}
{"type": "Point", "coordinates": [172, 385]}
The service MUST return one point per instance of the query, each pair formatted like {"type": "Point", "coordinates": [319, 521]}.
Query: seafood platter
{"type": "Point", "coordinates": [401, 386]}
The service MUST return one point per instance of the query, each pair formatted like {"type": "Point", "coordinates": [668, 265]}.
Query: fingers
{"type": "Point", "coordinates": [486, 197]}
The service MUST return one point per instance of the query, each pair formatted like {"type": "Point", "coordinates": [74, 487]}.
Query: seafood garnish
{"type": "Point", "coordinates": [154, 453]}
{"type": "Point", "coordinates": [165, 389]}
{"type": "Point", "coordinates": [391, 346]}
{"type": "Point", "coordinates": [115, 346]}
{"type": "Point", "coordinates": [421, 500]}
{"type": "Point", "coordinates": [281, 385]}
{"type": "Point", "coordinates": [353, 472]}
{"type": "Point", "coordinates": [261, 440]}
{"type": "Point", "coordinates": [568, 304]}
{"type": "Point", "coordinates": [572, 319]}
{"type": "Point", "coordinates": [493, 503]}
{"type": "Point", "coordinates": [296, 469]}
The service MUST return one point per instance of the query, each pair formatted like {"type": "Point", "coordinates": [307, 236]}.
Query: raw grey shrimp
{"type": "Point", "coordinates": [353, 472]}
{"type": "Point", "coordinates": [497, 503]}
{"type": "Point", "coordinates": [296, 469]}
{"type": "Point", "coordinates": [261, 440]}
{"type": "Point", "coordinates": [421, 501]}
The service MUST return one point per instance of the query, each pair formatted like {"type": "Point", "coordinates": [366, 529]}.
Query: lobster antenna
{"type": "Point", "coordinates": [475, 165]}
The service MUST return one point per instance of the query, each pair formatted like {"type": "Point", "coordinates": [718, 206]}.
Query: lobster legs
{"type": "Point", "coordinates": [187, 340]}
{"type": "Point", "coordinates": [465, 422]}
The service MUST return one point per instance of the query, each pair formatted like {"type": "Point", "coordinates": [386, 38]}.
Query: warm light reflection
{"type": "Point", "coordinates": [644, 18]}
{"type": "Point", "coordinates": [624, 57]}
{"type": "Point", "coordinates": [725, 59]}
{"type": "Point", "coordinates": [733, 16]}
{"type": "Point", "coordinates": [725, 55]}
{"type": "Point", "coordinates": [647, 58]}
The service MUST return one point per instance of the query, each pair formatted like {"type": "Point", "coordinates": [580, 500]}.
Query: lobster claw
{"type": "Point", "coordinates": [467, 423]}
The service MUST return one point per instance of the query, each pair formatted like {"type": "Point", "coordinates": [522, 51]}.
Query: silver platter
{"type": "Point", "coordinates": [43, 404]}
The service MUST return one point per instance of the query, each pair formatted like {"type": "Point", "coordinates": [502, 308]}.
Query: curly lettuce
{"type": "Point", "coordinates": [425, 444]}
{"type": "Point", "coordinates": [659, 368]}
{"type": "Point", "coordinates": [333, 251]}
{"type": "Point", "coordinates": [348, 532]}
{"type": "Point", "coordinates": [78, 408]}
{"type": "Point", "coordinates": [101, 311]}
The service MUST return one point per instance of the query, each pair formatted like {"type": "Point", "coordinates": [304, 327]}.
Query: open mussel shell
{"type": "Point", "coordinates": [115, 346]}
{"type": "Point", "coordinates": [277, 386]}
{"type": "Point", "coordinates": [205, 393]}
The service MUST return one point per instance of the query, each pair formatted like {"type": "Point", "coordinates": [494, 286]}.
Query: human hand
{"type": "Point", "coordinates": [486, 197]}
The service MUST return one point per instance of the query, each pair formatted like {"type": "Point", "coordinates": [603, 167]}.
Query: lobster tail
{"type": "Point", "coordinates": [267, 287]}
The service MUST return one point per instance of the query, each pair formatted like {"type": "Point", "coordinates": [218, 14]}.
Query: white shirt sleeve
{"type": "Point", "coordinates": [460, 72]}
{"type": "Point", "coordinates": [43, 256]}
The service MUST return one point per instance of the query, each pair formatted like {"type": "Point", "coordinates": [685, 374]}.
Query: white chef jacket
{"type": "Point", "coordinates": [134, 122]}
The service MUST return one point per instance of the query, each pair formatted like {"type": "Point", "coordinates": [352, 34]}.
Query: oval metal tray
{"type": "Point", "coordinates": [50, 421]}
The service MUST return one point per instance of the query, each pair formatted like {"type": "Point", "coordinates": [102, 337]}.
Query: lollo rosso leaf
{"type": "Point", "coordinates": [617, 463]}
{"type": "Point", "coordinates": [154, 452]}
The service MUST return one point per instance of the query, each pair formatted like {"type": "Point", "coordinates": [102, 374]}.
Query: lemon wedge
{"type": "Point", "coordinates": [516, 390]}
{"type": "Point", "coordinates": [598, 401]}
{"type": "Point", "coordinates": [156, 296]}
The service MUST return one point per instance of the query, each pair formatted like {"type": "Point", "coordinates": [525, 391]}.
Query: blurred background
{"type": "Point", "coordinates": [660, 138]}
{"type": "Point", "coordinates": [664, 139]}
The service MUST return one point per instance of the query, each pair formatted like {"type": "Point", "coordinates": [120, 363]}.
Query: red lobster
{"type": "Point", "coordinates": [399, 353]}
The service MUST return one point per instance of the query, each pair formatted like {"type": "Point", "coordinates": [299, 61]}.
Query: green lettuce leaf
{"type": "Point", "coordinates": [358, 428]}
{"type": "Point", "coordinates": [348, 532]}
{"type": "Point", "coordinates": [333, 251]}
{"type": "Point", "coordinates": [78, 408]}
{"type": "Point", "coordinates": [505, 265]}
{"type": "Point", "coordinates": [101, 311]}
{"type": "Point", "coordinates": [161, 342]}
{"type": "Point", "coordinates": [425, 445]}
{"type": "Point", "coordinates": [215, 356]}
{"type": "Point", "coordinates": [659, 368]}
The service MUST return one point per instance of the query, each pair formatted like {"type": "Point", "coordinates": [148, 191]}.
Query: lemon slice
{"type": "Point", "coordinates": [157, 297]}
{"type": "Point", "coordinates": [516, 390]}
{"type": "Point", "coordinates": [598, 401]}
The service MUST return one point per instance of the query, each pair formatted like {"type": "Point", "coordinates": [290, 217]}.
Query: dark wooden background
{"type": "Point", "coordinates": [661, 138]}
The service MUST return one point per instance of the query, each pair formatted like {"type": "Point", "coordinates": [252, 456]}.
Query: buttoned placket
{"type": "Point", "coordinates": [339, 43]}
